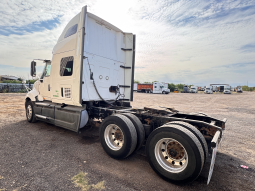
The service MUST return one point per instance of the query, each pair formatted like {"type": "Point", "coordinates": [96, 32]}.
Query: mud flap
{"type": "Point", "coordinates": [214, 144]}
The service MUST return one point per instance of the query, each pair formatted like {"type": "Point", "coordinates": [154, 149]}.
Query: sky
{"type": "Point", "coordinates": [195, 42]}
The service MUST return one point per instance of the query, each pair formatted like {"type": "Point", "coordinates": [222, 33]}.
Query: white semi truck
{"type": "Point", "coordinates": [227, 90]}
{"type": "Point", "coordinates": [193, 89]}
{"type": "Point", "coordinates": [89, 82]}
{"type": "Point", "coordinates": [155, 87]}
{"type": "Point", "coordinates": [214, 88]}
{"type": "Point", "coordinates": [160, 88]}
{"type": "Point", "coordinates": [208, 90]}
{"type": "Point", "coordinates": [239, 89]}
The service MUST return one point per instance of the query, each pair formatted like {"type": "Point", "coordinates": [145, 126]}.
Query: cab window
{"type": "Point", "coordinates": [66, 66]}
{"type": "Point", "coordinates": [72, 30]}
{"type": "Point", "coordinates": [46, 71]}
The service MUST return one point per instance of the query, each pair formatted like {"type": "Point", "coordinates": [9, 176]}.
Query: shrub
{"type": "Point", "coordinates": [246, 88]}
{"type": "Point", "coordinates": [171, 87]}
{"type": "Point", "coordinates": [31, 81]}
{"type": "Point", "coordinates": [12, 81]}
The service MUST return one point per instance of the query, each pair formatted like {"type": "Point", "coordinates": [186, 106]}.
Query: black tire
{"type": "Point", "coordinates": [163, 92]}
{"type": "Point", "coordinates": [189, 170]}
{"type": "Point", "coordinates": [139, 129]}
{"type": "Point", "coordinates": [127, 129]}
{"type": "Point", "coordinates": [30, 114]}
{"type": "Point", "coordinates": [197, 133]}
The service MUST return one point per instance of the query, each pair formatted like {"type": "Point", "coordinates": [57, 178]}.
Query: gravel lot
{"type": "Point", "coordinates": [41, 156]}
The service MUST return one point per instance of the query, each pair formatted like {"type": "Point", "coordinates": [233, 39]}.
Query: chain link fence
{"type": "Point", "coordinates": [12, 87]}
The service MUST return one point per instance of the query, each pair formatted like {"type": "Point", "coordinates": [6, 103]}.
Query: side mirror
{"type": "Point", "coordinates": [33, 69]}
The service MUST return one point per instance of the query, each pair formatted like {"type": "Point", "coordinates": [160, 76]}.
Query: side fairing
{"type": "Point", "coordinates": [108, 57]}
{"type": "Point", "coordinates": [65, 86]}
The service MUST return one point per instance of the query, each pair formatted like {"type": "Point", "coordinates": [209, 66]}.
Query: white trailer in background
{"type": "Point", "coordinates": [89, 83]}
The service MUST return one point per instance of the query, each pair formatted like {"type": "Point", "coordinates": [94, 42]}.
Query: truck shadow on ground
{"type": "Point", "coordinates": [227, 173]}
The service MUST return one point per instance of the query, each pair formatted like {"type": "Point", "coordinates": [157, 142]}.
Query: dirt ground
{"type": "Point", "coordinates": [41, 156]}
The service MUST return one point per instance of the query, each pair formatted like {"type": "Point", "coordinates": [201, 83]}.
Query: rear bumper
{"type": "Point", "coordinates": [217, 138]}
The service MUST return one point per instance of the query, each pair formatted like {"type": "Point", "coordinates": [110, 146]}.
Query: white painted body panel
{"type": "Point", "coordinates": [102, 47]}
{"type": "Point", "coordinates": [34, 92]}
{"type": "Point", "coordinates": [135, 87]}
{"type": "Point", "coordinates": [165, 84]}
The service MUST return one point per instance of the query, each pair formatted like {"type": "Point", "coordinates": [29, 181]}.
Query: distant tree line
{"type": "Point", "coordinates": [246, 88]}
{"type": "Point", "coordinates": [180, 87]}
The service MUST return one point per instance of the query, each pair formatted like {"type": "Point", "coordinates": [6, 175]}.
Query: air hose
{"type": "Point", "coordinates": [91, 77]}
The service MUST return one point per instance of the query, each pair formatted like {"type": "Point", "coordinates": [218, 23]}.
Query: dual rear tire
{"type": "Point", "coordinates": [121, 135]}
{"type": "Point", "coordinates": [176, 151]}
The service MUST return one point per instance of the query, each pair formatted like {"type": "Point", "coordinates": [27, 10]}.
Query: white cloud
{"type": "Point", "coordinates": [20, 50]}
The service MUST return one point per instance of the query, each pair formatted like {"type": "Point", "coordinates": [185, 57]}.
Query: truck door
{"type": "Point", "coordinates": [44, 86]}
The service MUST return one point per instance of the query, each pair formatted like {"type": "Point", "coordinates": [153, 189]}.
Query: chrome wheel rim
{"type": "Point", "coordinates": [171, 155]}
{"type": "Point", "coordinates": [114, 137]}
{"type": "Point", "coordinates": [29, 112]}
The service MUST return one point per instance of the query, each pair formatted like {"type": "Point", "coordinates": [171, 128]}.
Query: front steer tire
{"type": "Point", "coordinates": [175, 153]}
{"type": "Point", "coordinates": [118, 136]}
{"type": "Point", "coordinates": [30, 113]}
